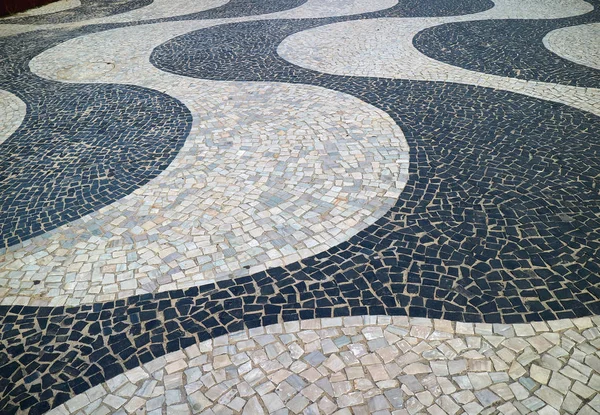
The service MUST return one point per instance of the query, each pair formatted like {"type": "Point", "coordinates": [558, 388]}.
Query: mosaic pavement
{"type": "Point", "coordinates": [300, 207]}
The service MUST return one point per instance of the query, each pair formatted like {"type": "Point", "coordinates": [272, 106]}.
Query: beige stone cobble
{"type": "Point", "coordinates": [330, 383]}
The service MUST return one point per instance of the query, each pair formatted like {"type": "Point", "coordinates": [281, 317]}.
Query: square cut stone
{"type": "Point", "coordinates": [465, 328]}
{"type": "Point", "coordinates": [351, 399]}
{"type": "Point", "coordinates": [395, 397]}
{"type": "Point", "coordinates": [473, 408]}
{"type": "Point", "coordinates": [79, 402]}
{"type": "Point", "coordinates": [425, 397]}
{"type": "Point", "coordinates": [273, 402]}
{"type": "Point", "coordinates": [221, 361]}
{"type": "Point", "coordinates": [327, 406]}
{"type": "Point", "coordinates": [457, 366]}
{"type": "Point", "coordinates": [312, 392]}
{"type": "Point", "coordinates": [378, 372]}
{"type": "Point", "coordinates": [527, 382]}
{"type": "Point", "coordinates": [417, 368]}
{"type": "Point", "coordinates": [297, 404]}
{"type": "Point", "coordinates": [464, 397]}
{"type": "Point", "coordinates": [571, 403]}
{"type": "Point", "coordinates": [516, 370]}
{"type": "Point", "coordinates": [411, 382]}
{"type": "Point", "coordinates": [524, 330]}
{"type": "Point", "coordinates": [498, 377]}
{"type": "Point", "coordinates": [502, 390]}
{"type": "Point", "coordinates": [539, 374]}
{"type": "Point", "coordinates": [355, 372]}
{"type": "Point", "coordinates": [540, 344]}
{"type": "Point", "coordinates": [378, 403]}
{"type": "Point", "coordinates": [533, 403]}
{"type": "Point", "coordinates": [559, 382]}
{"type": "Point", "coordinates": [508, 409]}
{"type": "Point", "coordinates": [463, 382]}
{"type": "Point", "coordinates": [519, 391]}
{"type": "Point", "coordinates": [372, 333]}
{"type": "Point", "coordinates": [253, 407]}
{"type": "Point", "coordinates": [550, 396]}
{"type": "Point", "coordinates": [315, 358]}
{"type": "Point", "coordinates": [486, 397]}
{"type": "Point", "coordinates": [198, 401]}
{"type": "Point", "coordinates": [582, 390]}
{"type": "Point", "coordinates": [334, 363]}
{"type": "Point", "coordinates": [325, 384]}
{"type": "Point", "coordinates": [480, 380]}
{"type": "Point", "coordinates": [447, 386]}
{"type": "Point", "coordinates": [448, 405]}
{"type": "Point", "coordinates": [342, 341]}
{"type": "Point", "coordinates": [439, 367]}
{"type": "Point", "coordinates": [341, 388]}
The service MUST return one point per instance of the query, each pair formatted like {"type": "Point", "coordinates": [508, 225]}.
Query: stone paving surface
{"type": "Point", "coordinates": [300, 206]}
{"type": "Point", "coordinates": [12, 112]}
{"type": "Point", "coordinates": [241, 213]}
{"type": "Point", "coordinates": [576, 43]}
{"type": "Point", "coordinates": [367, 365]}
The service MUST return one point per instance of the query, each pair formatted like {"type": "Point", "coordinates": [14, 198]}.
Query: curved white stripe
{"type": "Point", "coordinates": [579, 44]}
{"type": "Point", "coordinates": [12, 113]}
{"type": "Point", "coordinates": [331, 8]}
{"type": "Point", "coordinates": [383, 48]}
{"type": "Point", "coordinates": [160, 9]}
{"type": "Point", "coordinates": [270, 174]}
{"type": "Point", "coordinates": [155, 10]}
{"type": "Point", "coordinates": [364, 365]}
{"type": "Point", "coordinates": [535, 9]}
{"type": "Point", "coordinates": [310, 9]}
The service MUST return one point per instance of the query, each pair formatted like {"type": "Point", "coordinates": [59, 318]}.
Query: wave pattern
{"type": "Point", "coordinates": [79, 147]}
{"type": "Point", "coordinates": [498, 221]}
{"type": "Point", "coordinates": [503, 155]}
{"type": "Point", "coordinates": [511, 48]}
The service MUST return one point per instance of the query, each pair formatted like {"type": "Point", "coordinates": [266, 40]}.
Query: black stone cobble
{"type": "Point", "coordinates": [502, 198]}
{"type": "Point", "coordinates": [512, 48]}
{"type": "Point", "coordinates": [80, 147]}
{"type": "Point", "coordinates": [498, 222]}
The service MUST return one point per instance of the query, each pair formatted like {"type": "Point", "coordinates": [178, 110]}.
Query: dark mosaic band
{"type": "Point", "coordinates": [103, 176]}
{"type": "Point", "coordinates": [404, 8]}
{"type": "Point", "coordinates": [511, 48]}
{"type": "Point", "coordinates": [498, 223]}
{"type": "Point", "coordinates": [239, 8]}
{"type": "Point", "coordinates": [503, 202]}
{"type": "Point", "coordinates": [80, 147]}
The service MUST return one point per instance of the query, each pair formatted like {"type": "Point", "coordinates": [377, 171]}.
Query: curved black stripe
{"type": "Point", "coordinates": [511, 48]}
{"type": "Point", "coordinates": [496, 224]}
{"type": "Point", "coordinates": [404, 8]}
{"type": "Point", "coordinates": [432, 8]}
{"type": "Point", "coordinates": [80, 147]}
{"type": "Point", "coordinates": [240, 8]}
{"type": "Point", "coordinates": [503, 191]}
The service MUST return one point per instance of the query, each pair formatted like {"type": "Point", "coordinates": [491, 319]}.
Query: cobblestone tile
{"type": "Point", "coordinates": [222, 199]}
{"type": "Point", "coordinates": [358, 388]}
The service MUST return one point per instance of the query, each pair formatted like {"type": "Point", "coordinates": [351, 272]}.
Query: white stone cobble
{"type": "Point", "coordinates": [320, 382]}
